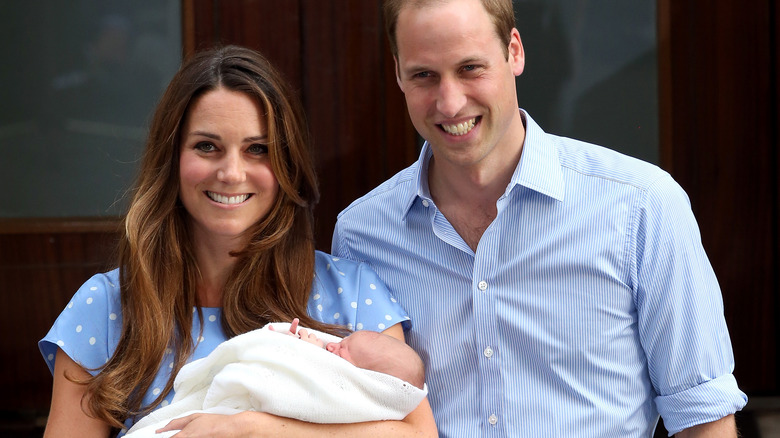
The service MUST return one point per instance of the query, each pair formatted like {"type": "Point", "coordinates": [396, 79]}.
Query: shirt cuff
{"type": "Point", "coordinates": [704, 403]}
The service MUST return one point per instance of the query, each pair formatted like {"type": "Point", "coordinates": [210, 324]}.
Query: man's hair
{"type": "Point", "coordinates": [500, 11]}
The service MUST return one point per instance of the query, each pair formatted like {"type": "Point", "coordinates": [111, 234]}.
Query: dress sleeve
{"type": "Point", "coordinates": [680, 310]}
{"type": "Point", "coordinates": [352, 294]}
{"type": "Point", "coordinates": [88, 327]}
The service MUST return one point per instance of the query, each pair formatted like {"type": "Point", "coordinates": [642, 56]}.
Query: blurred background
{"type": "Point", "coordinates": [691, 86]}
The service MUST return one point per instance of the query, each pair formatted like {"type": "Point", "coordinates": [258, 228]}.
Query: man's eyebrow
{"type": "Point", "coordinates": [417, 68]}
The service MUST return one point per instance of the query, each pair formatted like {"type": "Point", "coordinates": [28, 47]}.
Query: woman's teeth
{"type": "Point", "coordinates": [229, 200]}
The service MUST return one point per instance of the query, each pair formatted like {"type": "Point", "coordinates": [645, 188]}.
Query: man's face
{"type": "Point", "coordinates": [459, 85]}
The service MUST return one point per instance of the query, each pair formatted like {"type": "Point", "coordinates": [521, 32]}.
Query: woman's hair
{"type": "Point", "coordinates": [273, 274]}
{"type": "Point", "coordinates": [500, 11]}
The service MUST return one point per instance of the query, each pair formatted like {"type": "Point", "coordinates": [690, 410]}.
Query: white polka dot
{"type": "Point", "coordinates": [70, 305]}
{"type": "Point", "coordinates": [369, 302]}
{"type": "Point", "coordinates": [50, 356]}
{"type": "Point", "coordinates": [213, 318]}
{"type": "Point", "coordinates": [393, 299]}
{"type": "Point", "coordinates": [112, 317]}
{"type": "Point", "coordinates": [93, 288]}
{"type": "Point", "coordinates": [349, 326]}
{"type": "Point", "coordinates": [327, 267]}
{"type": "Point", "coordinates": [317, 297]}
{"type": "Point", "coordinates": [170, 365]}
{"type": "Point", "coordinates": [388, 317]}
{"type": "Point", "coordinates": [92, 340]}
{"type": "Point", "coordinates": [78, 328]}
{"type": "Point", "coordinates": [381, 326]}
{"type": "Point", "coordinates": [61, 343]}
{"type": "Point", "coordinates": [168, 351]}
{"type": "Point", "coordinates": [164, 403]}
{"type": "Point", "coordinates": [319, 307]}
{"type": "Point", "coordinates": [353, 304]}
{"type": "Point", "coordinates": [342, 274]}
{"type": "Point", "coordinates": [336, 315]}
{"type": "Point", "coordinates": [200, 339]}
{"type": "Point", "coordinates": [89, 300]}
{"type": "Point", "coordinates": [360, 326]}
{"type": "Point", "coordinates": [339, 290]}
{"type": "Point", "coordinates": [372, 286]}
{"type": "Point", "coordinates": [156, 391]}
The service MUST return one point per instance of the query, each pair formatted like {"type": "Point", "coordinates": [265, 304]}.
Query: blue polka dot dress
{"type": "Point", "coordinates": [88, 330]}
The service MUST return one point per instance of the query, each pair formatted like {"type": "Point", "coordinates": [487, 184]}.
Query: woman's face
{"type": "Point", "coordinates": [226, 183]}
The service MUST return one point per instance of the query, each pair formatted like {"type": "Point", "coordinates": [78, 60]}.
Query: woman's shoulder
{"type": "Point", "coordinates": [102, 288]}
{"type": "Point", "coordinates": [326, 264]}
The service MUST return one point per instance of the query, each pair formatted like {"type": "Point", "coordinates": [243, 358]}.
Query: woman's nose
{"type": "Point", "coordinates": [231, 169]}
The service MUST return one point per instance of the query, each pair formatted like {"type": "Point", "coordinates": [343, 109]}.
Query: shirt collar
{"type": "Point", "coordinates": [539, 168]}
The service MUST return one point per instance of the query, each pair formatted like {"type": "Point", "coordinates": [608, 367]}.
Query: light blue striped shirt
{"type": "Point", "coordinates": [588, 308]}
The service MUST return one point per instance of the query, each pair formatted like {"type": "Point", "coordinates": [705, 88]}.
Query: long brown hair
{"type": "Point", "coordinates": [273, 274]}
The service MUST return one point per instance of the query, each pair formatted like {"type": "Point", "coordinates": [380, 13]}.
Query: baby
{"type": "Point", "coordinates": [371, 351]}
{"type": "Point", "coordinates": [369, 376]}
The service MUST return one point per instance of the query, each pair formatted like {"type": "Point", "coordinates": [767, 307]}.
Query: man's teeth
{"type": "Point", "coordinates": [229, 200]}
{"type": "Point", "coordinates": [460, 128]}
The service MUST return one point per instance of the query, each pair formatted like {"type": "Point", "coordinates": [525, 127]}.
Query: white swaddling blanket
{"type": "Point", "coordinates": [279, 374]}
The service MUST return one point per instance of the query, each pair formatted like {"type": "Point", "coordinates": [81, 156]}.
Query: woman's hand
{"type": "Point", "coordinates": [243, 424]}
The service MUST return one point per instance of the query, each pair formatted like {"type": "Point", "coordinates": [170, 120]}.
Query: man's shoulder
{"type": "Point", "coordinates": [394, 193]}
{"type": "Point", "coordinates": [596, 161]}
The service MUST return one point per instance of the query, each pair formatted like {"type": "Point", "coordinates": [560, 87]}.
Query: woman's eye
{"type": "Point", "coordinates": [205, 146]}
{"type": "Point", "coordinates": [257, 149]}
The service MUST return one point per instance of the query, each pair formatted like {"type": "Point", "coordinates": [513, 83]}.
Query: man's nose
{"type": "Point", "coordinates": [451, 98]}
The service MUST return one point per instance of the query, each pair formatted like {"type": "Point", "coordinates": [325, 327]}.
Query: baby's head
{"type": "Point", "coordinates": [382, 353]}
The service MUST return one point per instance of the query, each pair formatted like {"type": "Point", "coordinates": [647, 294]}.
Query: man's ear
{"type": "Point", "coordinates": [516, 53]}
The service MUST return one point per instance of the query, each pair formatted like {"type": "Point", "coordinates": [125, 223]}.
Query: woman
{"type": "Point", "coordinates": [218, 241]}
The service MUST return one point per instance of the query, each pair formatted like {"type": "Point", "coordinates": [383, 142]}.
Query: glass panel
{"type": "Point", "coordinates": [80, 80]}
{"type": "Point", "coordinates": [592, 71]}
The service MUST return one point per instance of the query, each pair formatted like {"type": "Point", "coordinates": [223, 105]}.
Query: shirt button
{"type": "Point", "coordinates": [493, 420]}
{"type": "Point", "coordinates": [488, 352]}
{"type": "Point", "coordinates": [425, 203]}
{"type": "Point", "coordinates": [482, 286]}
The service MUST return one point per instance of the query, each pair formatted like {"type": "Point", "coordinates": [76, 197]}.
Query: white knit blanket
{"type": "Point", "coordinates": [279, 374]}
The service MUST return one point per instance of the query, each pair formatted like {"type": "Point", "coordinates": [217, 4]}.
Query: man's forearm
{"type": "Point", "coordinates": [723, 428]}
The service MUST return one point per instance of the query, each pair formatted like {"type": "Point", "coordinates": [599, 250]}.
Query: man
{"type": "Point", "coordinates": [556, 288]}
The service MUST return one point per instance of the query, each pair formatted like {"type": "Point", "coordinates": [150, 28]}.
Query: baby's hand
{"type": "Point", "coordinates": [311, 338]}
{"type": "Point", "coordinates": [293, 328]}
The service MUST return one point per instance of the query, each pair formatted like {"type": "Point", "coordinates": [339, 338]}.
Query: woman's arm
{"type": "Point", "coordinates": [66, 417]}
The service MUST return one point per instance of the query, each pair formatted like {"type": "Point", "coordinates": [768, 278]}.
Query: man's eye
{"type": "Point", "coordinates": [422, 75]}
{"type": "Point", "coordinates": [205, 146]}
{"type": "Point", "coordinates": [257, 149]}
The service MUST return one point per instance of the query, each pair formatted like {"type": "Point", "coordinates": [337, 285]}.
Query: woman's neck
{"type": "Point", "coordinates": [215, 265]}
